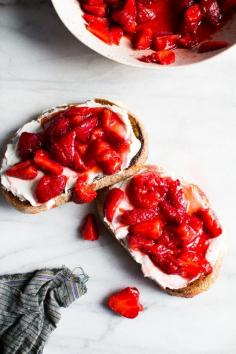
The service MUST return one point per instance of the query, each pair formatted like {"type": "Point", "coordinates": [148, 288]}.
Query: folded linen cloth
{"type": "Point", "coordinates": [29, 307]}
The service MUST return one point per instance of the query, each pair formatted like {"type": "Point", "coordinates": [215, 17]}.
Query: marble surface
{"type": "Point", "coordinates": [189, 114]}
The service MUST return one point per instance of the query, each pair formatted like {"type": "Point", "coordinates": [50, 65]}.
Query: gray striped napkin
{"type": "Point", "coordinates": [29, 307]}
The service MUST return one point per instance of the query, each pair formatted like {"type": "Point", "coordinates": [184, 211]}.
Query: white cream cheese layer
{"type": "Point", "coordinates": [171, 281]}
{"type": "Point", "coordinates": [24, 190]}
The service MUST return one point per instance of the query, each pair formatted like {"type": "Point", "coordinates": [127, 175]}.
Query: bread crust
{"type": "Point", "coordinates": [135, 164]}
{"type": "Point", "coordinates": [194, 288]}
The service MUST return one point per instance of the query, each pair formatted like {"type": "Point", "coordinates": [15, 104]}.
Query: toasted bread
{"type": "Point", "coordinates": [195, 287]}
{"type": "Point", "coordinates": [99, 183]}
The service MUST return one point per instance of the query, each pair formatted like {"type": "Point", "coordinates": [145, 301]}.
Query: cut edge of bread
{"type": "Point", "coordinates": [193, 288]}
{"type": "Point", "coordinates": [105, 181]}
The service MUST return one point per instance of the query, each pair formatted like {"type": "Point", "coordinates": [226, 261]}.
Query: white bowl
{"type": "Point", "coordinates": [70, 13]}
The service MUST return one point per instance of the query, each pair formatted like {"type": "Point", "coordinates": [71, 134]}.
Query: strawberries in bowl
{"type": "Point", "coordinates": [139, 32]}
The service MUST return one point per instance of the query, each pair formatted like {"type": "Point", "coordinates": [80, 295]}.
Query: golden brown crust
{"type": "Point", "coordinates": [194, 288]}
{"type": "Point", "coordinates": [105, 181]}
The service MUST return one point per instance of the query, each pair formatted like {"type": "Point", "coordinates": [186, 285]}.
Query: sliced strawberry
{"type": "Point", "coordinates": [64, 149]}
{"type": "Point", "coordinates": [135, 216]}
{"type": "Point", "coordinates": [100, 30]}
{"type": "Point", "coordinates": [27, 145]}
{"type": "Point", "coordinates": [212, 12]}
{"type": "Point", "coordinates": [114, 127]}
{"type": "Point", "coordinates": [78, 163]}
{"type": "Point", "coordinates": [85, 128]}
{"type": "Point", "coordinates": [126, 17]}
{"type": "Point", "coordinates": [190, 266]}
{"type": "Point", "coordinates": [183, 5]}
{"type": "Point", "coordinates": [43, 161]}
{"type": "Point", "coordinates": [166, 42]}
{"type": "Point", "coordinates": [140, 243]}
{"type": "Point", "coordinates": [142, 39]}
{"type": "Point", "coordinates": [81, 148]}
{"type": "Point", "coordinates": [57, 127]}
{"type": "Point", "coordinates": [50, 187]}
{"type": "Point", "coordinates": [150, 229]}
{"type": "Point", "coordinates": [212, 45]}
{"type": "Point", "coordinates": [97, 134]}
{"type": "Point", "coordinates": [95, 2]}
{"type": "Point", "coordinates": [95, 19]}
{"type": "Point", "coordinates": [89, 228]}
{"type": "Point", "coordinates": [211, 222]}
{"type": "Point", "coordinates": [113, 199]}
{"type": "Point", "coordinates": [97, 10]}
{"type": "Point", "coordinates": [126, 302]}
{"type": "Point", "coordinates": [165, 57]}
{"type": "Point", "coordinates": [23, 170]}
{"type": "Point", "coordinates": [188, 41]}
{"type": "Point", "coordinates": [116, 34]}
{"type": "Point", "coordinates": [83, 192]}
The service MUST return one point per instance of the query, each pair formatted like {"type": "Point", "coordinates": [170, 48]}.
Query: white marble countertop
{"type": "Point", "coordinates": [189, 114]}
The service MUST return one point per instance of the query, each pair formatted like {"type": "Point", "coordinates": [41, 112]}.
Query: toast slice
{"type": "Point", "coordinates": [135, 164]}
{"type": "Point", "coordinates": [193, 288]}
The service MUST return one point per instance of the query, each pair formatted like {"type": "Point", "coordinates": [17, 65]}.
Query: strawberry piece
{"type": "Point", "coordinates": [114, 127]}
{"type": "Point", "coordinates": [23, 170]}
{"type": "Point", "coordinates": [211, 222]}
{"type": "Point", "coordinates": [140, 243]}
{"type": "Point", "coordinates": [57, 128]}
{"type": "Point", "coordinates": [188, 41]}
{"type": "Point", "coordinates": [150, 229]}
{"type": "Point", "coordinates": [95, 19]}
{"type": "Point", "coordinates": [43, 161]}
{"type": "Point", "coordinates": [95, 2]}
{"type": "Point", "coordinates": [27, 145]}
{"type": "Point", "coordinates": [145, 190]}
{"type": "Point", "coordinates": [50, 187]}
{"type": "Point", "coordinates": [136, 216]}
{"type": "Point", "coordinates": [183, 5]}
{"type": "Point", "coordinates": [126, 17]}
{"type": "Point", "coordinates": [212, 45]}
{"type": "Point", "coordinates": [85, 128]}
{"type": "Point", "coordinates": [192, 18]}
{"type": "Point", "coordinates": [100, 30]}
{"type": "Point", "coordinates": [142, 39]}
{"type": "Point", "coordinates": [89, 228]}
{"type": "Point", "coordinates": [83, 192]}
{"type": "Point", "coordinates": [113, 199]}
{"type": "Point", "coordinates": [96, 10]}
{"type": "Point", "coordinates": [126, 302]}
{"type": "Point", "coordinates": [110, 162]}
{"type": "Point", "coordinates": [145, 13]}
{"type": "Point", "coordinates": [212, 12]}
{"type": "Point", "coordinates": [191, 266]}
{"type": "Point", "coordinates": [166, 42]}
{"type": "Point", "coordinates": [64, 149]}
{"type": "Point", "coordinates": [78, 163]}
{"type": "Point", "coordinates": [116, 33]}
{"type": "Point", "coordinates": [163, 57]}
{"type": "Point", "coordinates": [97, 134]}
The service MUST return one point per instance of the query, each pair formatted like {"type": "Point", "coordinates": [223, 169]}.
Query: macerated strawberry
{"type": "Point", "coordinates": [190, 265]}
{"type": "Point", "coordinates": [78, 163]}
{"type": "Point", "coordinates": [100, 30]}
{"type": "Point", "coordinates": [97, 10]}
{"type": "Point", "coordinates": [23, 170]}
{"type": "Point", "coordinates": [126, 302]}
{"type": "Point", "coordinates": [85, 128]}
{"type": "Point", "coordinates": [145, 12]}
{"type": "Point", "coordinates": [135, 216]}
{"type": "Point", "coordinates": [183, 5]}
{"type": "Point", "coordinates": [126, 17]}
{"type": "Point", "coordinates": [187, 41]}
{"type": "Point", "coordinates": [114, 127]}
{"type": "Point", "coordinates": [116, 34]}
{"type": "Point", "coordinates": [151, 229]}
{"type": "Point", "coordinates": [83, 192]}
{"type": "Point", "coordinates": [140, 243]}
{"type": "Point", "coordinates": [212, 12]}
{"type": "Point", "coordinates": [113, 199]}
{"type": "Point", "coordinates": [64, 149]}
{"type": "Point", "coordinates": [50, 187]}
{"type": "Point", "coordinates": [192, 17]}
{"type": "Point", "coordinates": [212, 45]}
{"type": "Point", "coordinates": [95, 19]}
{"type": "Point", "coordinates": [163, 57]}
{"type": "Point", "coordinates": [95, 2]}
{"type": "Point", "coordinates": [57, 127]}
{"type": "Point", "coordinates": [166, 42]}
{"type": "Point", "coordinates": [89, 228]}
{"type": "Point", "coordinates": [142, 39]}
{"type": "Point", "coordinates": [46, 164]}
{"type": "Point", "coordinates": [97, 134]}
{"type": "Point", "coordinates": [110, 162]}
{"type": "Point", "coordinates": [27, 145]}
{"type": "Point", "coordinates": [210, 222]}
